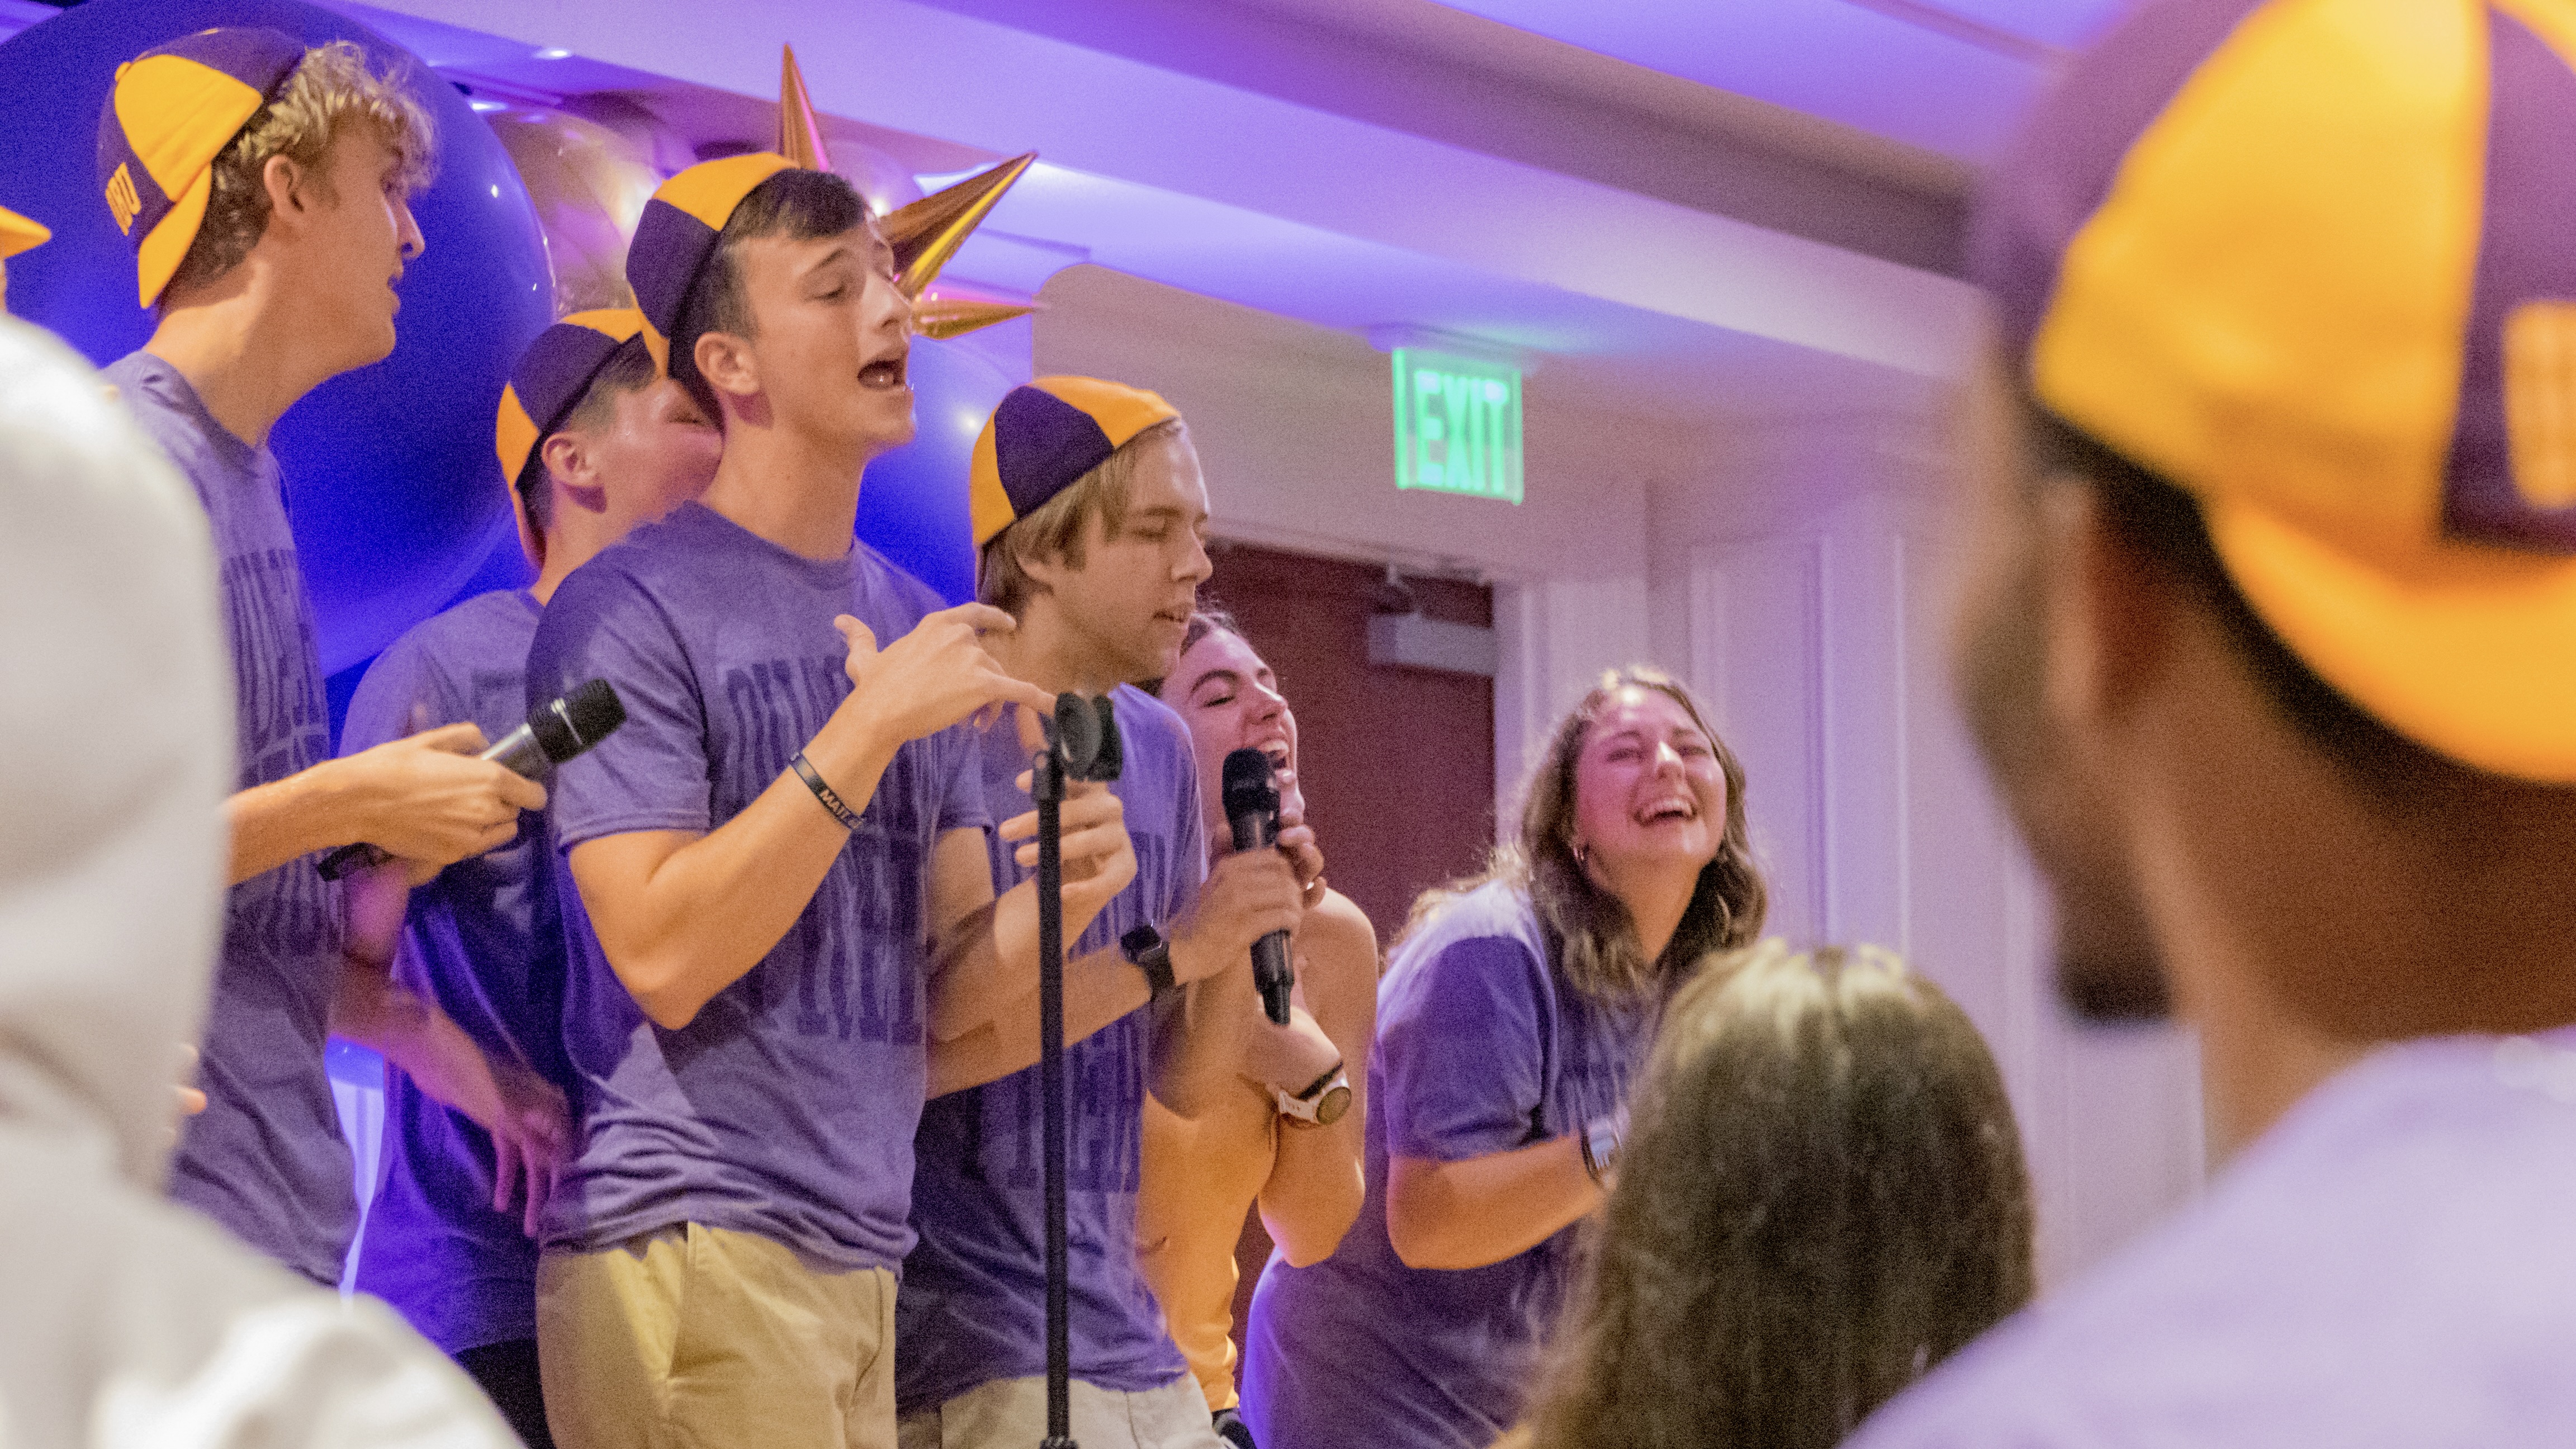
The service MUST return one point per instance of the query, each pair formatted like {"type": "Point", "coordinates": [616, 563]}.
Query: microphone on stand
{"type": "Point", "coordinates": [553, 733]}
{"type": "Point", "coordinates": [1252, 808]}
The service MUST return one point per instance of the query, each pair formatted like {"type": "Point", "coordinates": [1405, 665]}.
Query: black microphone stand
{"type": "Point", "coordinates": [1082, 744]}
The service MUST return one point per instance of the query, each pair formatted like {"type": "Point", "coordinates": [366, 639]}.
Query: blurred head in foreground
{"type": "Point", "coordinates": [2270, 609]}
{"type": "Point", "coordinates": [1822, 1195]}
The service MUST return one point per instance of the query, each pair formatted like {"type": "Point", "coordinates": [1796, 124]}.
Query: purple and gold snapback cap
{"type": "Point", "coordinates": [2314, 261]}
{"type": "Point", "coordinates": [1044, 437]}
{"type": "Point", "coordinates": [553, 375]}
{"type": "Point", "coordinates": [172, 111]}
{"type": "Point", "coordinates": [678, 233]}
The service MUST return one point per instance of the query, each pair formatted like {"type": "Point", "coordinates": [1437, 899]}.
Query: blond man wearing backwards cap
{"type": "Point", "coordinates": [1091, 514]}
{"type": "Point", "coordinates": [264, 189]}
{"type": "Point", "coordinates": [595, 441]}
{"type": "Point", "coordinates": [2270, 637]}
{"type": "Point", "coordinates": [777, 885]}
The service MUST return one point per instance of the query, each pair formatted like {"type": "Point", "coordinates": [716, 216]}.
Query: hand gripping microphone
{"type": "Point", "coordinates": [1252, 807]}
{"type": "Point", "coordinates": [553, 733]}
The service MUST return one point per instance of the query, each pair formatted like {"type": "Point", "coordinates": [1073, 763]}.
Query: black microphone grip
{"type": "Point", "coordinates": [1256, 827]}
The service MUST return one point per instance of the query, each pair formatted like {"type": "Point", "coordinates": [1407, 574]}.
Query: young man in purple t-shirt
{"type": "Point", "coordinates": [596, 441]}
{"type": "Point", "coordinates": [777, 875]}
{"type": "Point", "coordinates": [270, 226]}
{"type": "Point", "coordinates": [2269, 635]}
{"type": "Point", "coordinates": [1090, 511]}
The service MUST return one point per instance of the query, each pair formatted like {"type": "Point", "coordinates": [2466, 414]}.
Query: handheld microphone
{"type": "Point", "coordinates": [1252, 808]}
{"type": "Point", "coordinates": [553, 733]}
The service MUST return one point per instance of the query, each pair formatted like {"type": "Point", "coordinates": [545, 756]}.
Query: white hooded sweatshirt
{"type": "Point", "coordinates": [124, 1320]}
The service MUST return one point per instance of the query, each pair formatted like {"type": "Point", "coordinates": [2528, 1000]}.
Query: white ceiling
{"type": "Point", "coordinates": [1715, 207]}
{"type": "Point", "coordinates": [1950, 77]}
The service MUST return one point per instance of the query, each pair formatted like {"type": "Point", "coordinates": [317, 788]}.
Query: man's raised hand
{"type": "Point", "coordinates": [936, 675]}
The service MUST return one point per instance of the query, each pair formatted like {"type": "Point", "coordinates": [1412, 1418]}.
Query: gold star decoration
{"type": "Point", "coordinates": [926, 233]}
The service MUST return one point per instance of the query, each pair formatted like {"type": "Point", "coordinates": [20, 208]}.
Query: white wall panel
{"type": "Point", "coordinates": [1809, 567]}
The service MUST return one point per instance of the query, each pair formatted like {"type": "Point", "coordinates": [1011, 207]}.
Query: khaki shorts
{"type": "Point", "coordinates": [1011, 1414]}
{"type": "Point", "coordinates": [699, 1336]}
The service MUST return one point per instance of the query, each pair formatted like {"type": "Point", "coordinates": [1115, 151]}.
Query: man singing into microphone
{"type": "Point", "coordinates": [595, 441]}
{"type": "Point", "coordinates": [1089, 509]}
{"type": "Point", "coordinates": [264, 187]}
{"type": "Point", "coordinates": [777, 883]}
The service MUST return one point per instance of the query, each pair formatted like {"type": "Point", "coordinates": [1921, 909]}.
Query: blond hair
{"type": "Point", "coordinates": [1054, 529]}
{"type": "Point", "coordinates": [328, 91]}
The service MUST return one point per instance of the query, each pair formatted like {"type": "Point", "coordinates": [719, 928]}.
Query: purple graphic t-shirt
{"type": "Point", "coordinates": [464, 1274]}
{"type": "Point", "coordinates": [973, 1305]}
{"type": "Point", "coordinates": [1482, 1046]}
{"type": "Point", "coordinates": [786, 1108]}
{"type": "Point", "coordinates": [2390, 1267]}
{"type": "Point", "coordinates": [265, 1158]}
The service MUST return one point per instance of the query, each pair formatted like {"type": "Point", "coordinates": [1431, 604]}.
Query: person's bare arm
{"type": "Point", "coordinates": [1098, 989]}
{"type": "Point", "coordinates": [985, 996]}
{"type": "Point", "coordinates": [424, 798]}
{"type": "Point", "coordinates": [1482, 1210]}
{"type": "Point", "coordinates": [979, 977]}
{"type": "Point", "coordinates": [682, 915]}
{"type": "Point", "coordinates": [1197, 1045]}
{"type": "Point", "coordinates": [526, 1116]}
{"type": "Point", "coordinates": [1317, 1180]}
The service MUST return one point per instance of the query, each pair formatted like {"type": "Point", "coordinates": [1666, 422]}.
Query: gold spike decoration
{"type": "Point", "coordinates": [940, 318]}
{"type": "Point", "coordinates": [927, 233]}
{"type": "Point", "coordinates": [800, 131]}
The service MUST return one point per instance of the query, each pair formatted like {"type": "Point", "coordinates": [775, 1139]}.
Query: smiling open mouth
{"type": "Point", "coordinates": [1668, 809]}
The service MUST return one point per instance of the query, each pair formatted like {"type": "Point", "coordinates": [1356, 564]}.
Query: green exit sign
{"type": "Point", "coordinates": [1457, 425]}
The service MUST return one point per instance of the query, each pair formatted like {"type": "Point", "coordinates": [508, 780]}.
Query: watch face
{"type": "Point", "coordinates": [1335, 1101]}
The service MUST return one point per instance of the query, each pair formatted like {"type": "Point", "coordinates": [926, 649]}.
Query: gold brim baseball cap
{"type": "Point", "coordinates": [1044, 437]}
{"type": "Point", "coordinates": [2310, 261]}
{"type": "Point", "coordinates": [172, 111]}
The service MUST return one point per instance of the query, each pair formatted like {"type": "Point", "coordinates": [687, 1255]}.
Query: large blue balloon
{"type": "Point", "coordinates": [912, 501]}
{"type": "Point", "coordinates": [390, 480]}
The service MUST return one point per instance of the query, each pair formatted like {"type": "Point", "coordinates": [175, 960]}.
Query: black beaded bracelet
{"type": "Point", "coordinates": [840, 808]}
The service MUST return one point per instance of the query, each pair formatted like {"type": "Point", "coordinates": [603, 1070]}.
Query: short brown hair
{"type": "Point", "coordinates": [1589, 929]}
{"type": "Point", "coordinates": [797, 204]}
{"type": "Point", "coordinates": [628, 369]}
{"type": "Point", "coordinates": [328, 90]}
{"type": "Point", "coordinates": [1054, 530]}
{"type": "Point", "coordinates": [1822, 1195]}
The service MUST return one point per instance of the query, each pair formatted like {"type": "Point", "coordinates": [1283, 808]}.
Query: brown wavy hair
{"type": "Point", "coordinates": [1588, 929]}
{"type": "Point", "coordinates": [1821, 1196]}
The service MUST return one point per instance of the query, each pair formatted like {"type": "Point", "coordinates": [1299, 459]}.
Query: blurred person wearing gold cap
{"type": "Point", "coordinates": [593, 441]}
{"type": "Point", "coordinates": [773, 875]}
{"type": "Point", "coordinates": [2268, 632]}
{"type": "Point", "coordinates": [17, 234]}
{"type": "Point", "coordinates": [1091, 514]}
{"type": "Point", "coordinates": [126, 1320]}
{"type": "Point", "coordinates": [264, 186]}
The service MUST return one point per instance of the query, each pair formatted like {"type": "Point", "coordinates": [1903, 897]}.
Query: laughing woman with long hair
{"type": "Point", "coordinates": [1515, 1010]}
